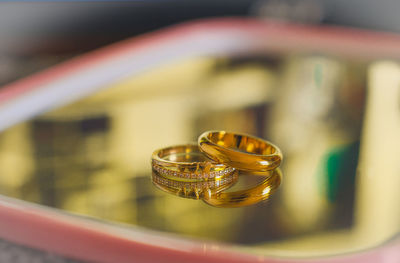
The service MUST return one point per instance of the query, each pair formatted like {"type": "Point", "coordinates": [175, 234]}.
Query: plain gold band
{"type": "Point", "coordinates": [241, 151]}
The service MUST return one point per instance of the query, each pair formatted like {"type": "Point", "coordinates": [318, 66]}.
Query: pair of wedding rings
{"type": "Point", "coordinates": [204, 170]}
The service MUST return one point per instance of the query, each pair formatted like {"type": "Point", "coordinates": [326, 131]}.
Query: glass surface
{"type": "Point", "coordinates": [336, 122]}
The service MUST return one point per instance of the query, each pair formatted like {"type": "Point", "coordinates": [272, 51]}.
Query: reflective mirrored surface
{"type": "Point", "coordinates": [336, 121]}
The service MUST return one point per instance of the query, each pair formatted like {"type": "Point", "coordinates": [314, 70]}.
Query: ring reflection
{"type": "Point", "coordinates": [250, 196]}
{"type": "Point", "coordinates": [195, 189]}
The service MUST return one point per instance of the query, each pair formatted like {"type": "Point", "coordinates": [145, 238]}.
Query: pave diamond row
{"type": "Point", "coordinates": [193, 185]}
{"type": "Point", "coordinates": [193, 175]}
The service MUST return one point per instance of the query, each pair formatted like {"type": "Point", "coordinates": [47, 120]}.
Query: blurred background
{"type": "Point", "coordinates": [36, 35]}
{"type": "Point", "coordinates": [336, 120]}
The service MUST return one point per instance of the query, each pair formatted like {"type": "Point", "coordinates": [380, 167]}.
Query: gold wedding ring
{"type": "Point", "coordinates": [241, 151]}
{"type": "Point", "coordinates": [186, 162]}
{"type": "Point", "coordinates": [206, 170]}
{"type": "Point", "coordinates": [260, 192]}
{"type": "Point", "coordinates": [194, 190]}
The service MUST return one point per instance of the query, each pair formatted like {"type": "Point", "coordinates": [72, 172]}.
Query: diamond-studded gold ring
{"type": "Point", "coordinates": [187, 163]}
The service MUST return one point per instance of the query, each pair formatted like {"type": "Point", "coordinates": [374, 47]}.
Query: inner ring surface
{"type": "Point", "coordinates": [241, 143]}
{"type": "Point", "coordinates": [182, 154]}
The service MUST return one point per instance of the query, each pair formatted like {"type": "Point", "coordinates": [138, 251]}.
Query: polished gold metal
{"type": "Point", "coordinates": [186, 162]}
{"type": "Point", "coordinates": [247, 197]}
{"type": "Point", "coordinates": [193, 190]}
{"type": "Point", "coordinates": [241, 151]}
